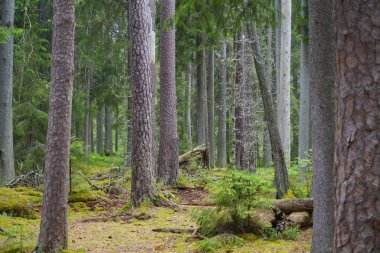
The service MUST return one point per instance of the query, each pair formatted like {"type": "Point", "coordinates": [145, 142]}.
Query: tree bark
{"type": "Point", "coordinates": [87, 130]}
{"type": "Point", "coordinates": [108, 142]}
{"type": "Point", "coordinates": [357, 157]}
{"type": "Point", "coordinates": [210, 106]}
{"type": "Point", "coordinates": [168, 152]}
{"type": "Point", "coordinates": [54, 227]}
{"type": "Point", "coordinates": [100, 130]}
{"type": "Point", "coordinates": [7, 170]}
{"type": "Point", "coordinates": [322, 78]}
{"type": "Point", "coordinates": [281, 173]}
{"type": "Point", "coordinates": [142, 97]}
{"type": "Point", "coordinates": [188, 104]}
{"type": "Point", "coordinates": [92, 144]}
{"type": "Point", "coordinates": [201, 94]}
{"type": "Point", "coordinates": [288, 206]}
{"type": "Point", "coordinates": [304, 113]}
{"type": "Point", "coordinates": [222, 113]}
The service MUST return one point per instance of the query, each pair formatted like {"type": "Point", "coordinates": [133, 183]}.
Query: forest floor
{"type": "Point", "coordinates": [102, 222]}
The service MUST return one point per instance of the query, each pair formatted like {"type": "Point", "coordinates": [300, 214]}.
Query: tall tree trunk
{"type": "Point", "coordinates": [357, 163]}
{"type": "Point", "coordinates": [7, 171]}
{"type": "Point", "coordinates": [168, 153]}
{"type": "Point", "coordinates": [188, 104]}
{"type": "Point", "coordinates": [87, 127]}
{"type": "Point", "coordinates": [304, 114]}
{"type": "Point", "coordinates": [108, 143]}
{"type": "Point", "coordinates": [117, 135]}
{"type": "Point", "coordinates": [210, 106]}
{"type": "Point", "coordinates": [283, 91]}
{"type": "Point", "coordinates": [53, 230]}
{"type": "Point", "coordinates": [322, 78]}
{"type": "Point", "coordinates": [222, 123]}
{"type": "Point", "coordinates": [281, 173]}
{"type": "Point", "coordinates": [142, 97]}
{"type": "Point", "coordinates": [129, 132]}
{"type": "Point", "coordinates": [100, 130]}
{"type": "Point", "coordinates": [201, 94]}
{"type": "Point", "coordinates": [92, 146]}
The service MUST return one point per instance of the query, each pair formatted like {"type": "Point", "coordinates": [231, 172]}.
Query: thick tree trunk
{"type": "Point", "coordinates": [188, 104]}
{"type": "Point", "coordinates": [281, 173]}
{"type": "Point", "coordinates": [222, 113]}
{"type": "Point", "coordinates": [168, 152]}
{"type": "Point", "coordinates": [142, 97]}
{"type": "Point", "coordinates": [210, 106]}
{"type": "Point", "coordinates": [304, 114]}
{"type": "Point", "coordinates": [322, 78]}
{"type": "Point", "coordinates": [108, 142]}
{"type": "Point", "coordinates": [7, 171]}
{"type": "Point", "coordinates": [357, 157]}
{"type": "Point", "coordinates": [201, 94]}
{"type": "Point", "coordinates": [100, 130]}
{"type": "Point", "coordinates": [53, 230]}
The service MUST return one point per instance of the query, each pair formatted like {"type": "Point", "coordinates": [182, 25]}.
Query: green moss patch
{"type": "Point", "coordinates": [19, 202]}
{"type": "Point", "coordinates": [86, 196]}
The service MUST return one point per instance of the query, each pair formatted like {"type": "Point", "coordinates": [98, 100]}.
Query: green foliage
{"type": "Point", "coordinates": [19, 202]}
{"type": "Point", "coordinates": [220, 241]}
{"type": "Point", "coordinates": [236, 196]}
{"type": "Point", "coordinates": [76, 150]}
{"type": "Point", "coordinates": [86, 196]}
{"type": "Point", "coordinates": [291, 233]}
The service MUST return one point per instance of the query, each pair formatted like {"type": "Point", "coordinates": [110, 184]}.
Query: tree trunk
{"type": "Point", "coordinates": [304, 113]}
{"type": "Point", "coordinates": [100, 130]}
{"type": "Point", "coordinates": [322, 78]}
{"type": "Point", "coordinates": [288, 206]}
{"type": "Point", "coordinates": [53, 231]}
{"type": "Point", "coordinates": [87, 130]}
{"type": "Point", "coordinates": [108, 143]}
{"type": "Point", "coordinates": [188, 104]}
{"type": "Point", "coordinates": [168, 152]}
{"type": "Point", "coordinates": [92, 146]}
{"type": "Point", "coordinates": [222, 123]}
{"type": "Point", "coordinates": [357, 163]}
{"type": "Point", "coordinates": [142, 97]}
{"type": "Point", "coordinates": [210, 106]}
{"type": "Point", "coordinates": [129, 132]}
{"type": "Point", "coordinates": [281, 173]}
{"type": "Point", "coordinates": [201, 94]}
{"type": "Point", "coordinates": [7, 170]}
{"type": "Point", "coordinates": [117, 135]}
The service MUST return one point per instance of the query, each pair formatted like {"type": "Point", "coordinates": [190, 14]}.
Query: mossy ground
{"type": "Point", "coordinates": [97, 224]}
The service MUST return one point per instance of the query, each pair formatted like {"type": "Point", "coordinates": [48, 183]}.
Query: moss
{"type": "Point", "coordinates": [183, 182]}
{"type": "Point", "coordinates": [18, 202]}
{"type": "Point", "coordinates": [78, 206]}
{"type": "Point", "coordinates": [86, 196]}
{"type": "Point", "coordinates": [220, 241]}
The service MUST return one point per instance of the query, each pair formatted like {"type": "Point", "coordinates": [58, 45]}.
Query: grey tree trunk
{"type": "Point", "coordinates": [142, 97]}
{"type": "Point", "coordinates": [92, 144]}
{"type": "Point", "coordinates": [222, 113]}
{"type": "Point", "coordinates": [357, 163]}
{"type": "Point", "coordinates": [54, 227]}
{"type": "Point", "coordinates": [108, 143]}
{"type": "Point", "coordinates": [168, 152]}
{"type": "Point", "coordinates": [322, 79]}
{"type": "Point", "coordinates": [304, 114]}
{"type": "Point", "coordinates": [7, 171]}
{"type": "Point", "coordinates": [129, 132]}
{"type": "Point", "coordinates": [87, 127]}
{"type": "Point", "coordinates": [100, 130]}
{"type": "Point", "coordinates": [210, 106]}
{"type": "Point", "coordinates": [117, 135]}
{"type": "Point", "coordinates": [281, 173]}
{"type": "Point", "coordinates": [201, 95]}
{"type": "Point", "coordinates": [283, 89]}
{"type": "Point", "coordinates": [188, 102]}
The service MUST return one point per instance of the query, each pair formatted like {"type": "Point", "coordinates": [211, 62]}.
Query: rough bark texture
{"type": "Point", "coordinates": [92, 145]}
{"type": "Point", "coordinates": [100, 130]}
{"type": "Point", "coordinates": [7, 171]}
{"type": "Point", "coordinates": [168, 152]}
{"type": "Point", "coordinates": [281, 173]}
{"type": "Point", "coordinates": [357, 156]}
{"type": "Point", "coordinates": [108, 141]}
{"type": "Point", "coordinates": [222, 113]}
{"type": "Point", "coordinates": [283, 89]}
{"type": "Point", "coordinates": [210, 107]}
{"type": "Point", "coordinates": [289, 206]}
{"type": "Point", "coordinates": [322, 77]}
{"type": "Point", "coordinates": [87, 127]}
{"type": "Point", "coordinates": [142, 97]}
{"type": "Point", "coordinates": [304, 113]}
{"type": "Point", "coordinates": [53, 230]}
{"type": "Point", "coordinates": [188, 104]}
{"type": "Point", "coordinates": [201, 94]}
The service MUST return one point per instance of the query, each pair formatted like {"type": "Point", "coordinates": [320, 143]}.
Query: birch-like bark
{"type": "Point", "coordinates": [210, 106]}
{"type": "Point", "coordinates": [100, 130]}
{"type": "Point", "coordinates": [188, 104]}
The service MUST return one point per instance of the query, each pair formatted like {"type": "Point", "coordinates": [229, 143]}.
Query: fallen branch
{"type": "Point", "coordinates": [30, 179]}
{"type": "Point", "coordinates": [288, 206]}
{"type": "Point", "coordinates": [198, 153]}
{"type": "Point", "coordinates": [95, 187]}
{"type": "Point", "coordinates": [174, 230]}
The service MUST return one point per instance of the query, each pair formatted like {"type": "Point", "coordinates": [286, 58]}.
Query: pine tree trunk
{"type": "Point", "coordinates": [222, 123]}
{"type": "Point", "coordinates": [92, 145]}
{"type": "Point", "coordinates": [129, 132]}
{"type": "Point", "coordinates": [281, 173]}
{"type": "Point", "coordinates": [7, 170]}
{"type": "Point", "coordinates": [53, 231]}
{"type": "Point", "coordinates": [168, 152]}
{"type": "Point", "coordinates": [142, 98]}
{"type": "Point", "coordinates": [100, 130]}
{"type": "Point", "coordinates": [201, 95]}
{"type": "Point", "coordinates": [357, 163]}
{"type": "Point", "coordinates": [322, 79]}
{"type": "Point", "coordinates": [304, 114]}
{"type": "Point", "coordinates": [188, 104]}
{"type": "Point", "coordinates": [210, 106]}
{"type": "Point", "coordinates": [108, 143]}
{"type": "Point", "coordinates": [86, 133]}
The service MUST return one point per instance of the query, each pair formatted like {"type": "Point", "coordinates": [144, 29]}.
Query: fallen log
{"type": "Point", "coordinates": [198, 153]}
{"type": "Point", "coordinates": [288, 206]}
{"type": "Point", "coordinates": [174, 230]}
{"type": "Point", "coordinates": [30, 179]}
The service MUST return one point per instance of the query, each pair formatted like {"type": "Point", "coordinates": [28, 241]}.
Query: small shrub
{"type": "Point", "coordinates": [291, 233]}
{"type": "Point", "coordinates": [220, 241]}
